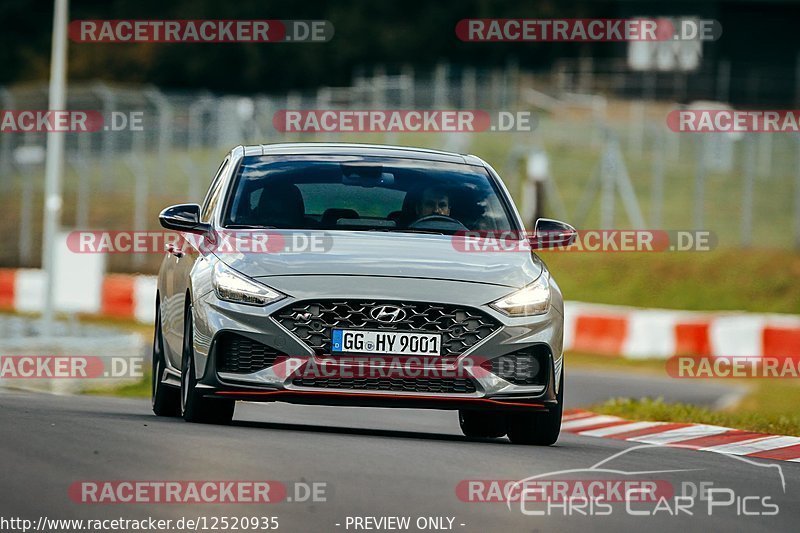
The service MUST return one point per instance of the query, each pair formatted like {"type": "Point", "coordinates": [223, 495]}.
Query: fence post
{"type": "Point", "coordinates": [164, 127]}
{"type": "Point", "coordinates": [636, 125]}
{"type": "Point", "coordinates": [141, 191]}
{"type": "Point", "coordinates": [511, 85]}
{"type": "Point", "coordinates": [26, 158]}
{"type": "Point", "coordinates": [765, 155]}
{"type": "Point", "coordinates": [469, 92]}
{"type": "Point", "coordinates": [26, 217]}
{"type": "Point", "coordinates": [700, 182]}
{"type": "Point", "coordinates": [196, 129]}
{"type": "Point", "coordinates": [586, 75]}
{"type": "Point", "coordinates": [108, 142]}
{"type": "Point", "coordinates": [723, 80]}
{"type": "Point", "coordinates": [608, 173]}
{"type": "Point", "coordinates": [440, 86]}
{"type": "Point", "coordinates": [6, 165]}
{"type": "Point", "coordinates": [81, 167]}
{"type": "Point", "coordinates": [657, 191]}
{"type": "Point", "coordinates": [797, 198]}
{"type": "Point", "coordinates": [407, 96]}
{"type": "Point", "coordinates": [747, 191]}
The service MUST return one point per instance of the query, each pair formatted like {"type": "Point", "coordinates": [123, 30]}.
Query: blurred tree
{"type": "Point", "coordinates": [368, 32]}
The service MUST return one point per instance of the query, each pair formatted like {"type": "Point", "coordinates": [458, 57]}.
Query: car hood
{"type": "Point", "coordinates": [380, 254]}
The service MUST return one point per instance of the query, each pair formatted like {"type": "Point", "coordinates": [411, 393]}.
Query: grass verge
{"type": "Point", "coordinates": [139, 389]}
{"type": "Point", "coordinates": [656, 410]}
{"type": "Point", "coordinates": [770, 405]}
{"type": "Point", "coordinates": [762, 281]}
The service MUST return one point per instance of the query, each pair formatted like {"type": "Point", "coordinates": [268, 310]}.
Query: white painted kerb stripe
{"type": "Point", "coordinates": [680, 434]}
{"type": "Point", "coordinates": [591, 421]}
{"type": "Point", "coordinates": [616, 430]}
{"type": "Point", "coordinates": [755, 445]}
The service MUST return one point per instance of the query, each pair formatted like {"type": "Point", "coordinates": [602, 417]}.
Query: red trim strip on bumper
{"type": "Point", "coordinates": [371, 395]}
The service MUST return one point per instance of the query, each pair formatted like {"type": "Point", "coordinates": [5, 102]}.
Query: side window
{"type": "Point", "coordinates": [214, 192]}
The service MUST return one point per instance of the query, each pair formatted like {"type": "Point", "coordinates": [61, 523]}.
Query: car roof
{"type": "Point", "coordinates": [375, 150]}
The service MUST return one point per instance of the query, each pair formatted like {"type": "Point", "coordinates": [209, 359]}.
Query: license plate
{"type": "Point", "coordinates": [385, 342]}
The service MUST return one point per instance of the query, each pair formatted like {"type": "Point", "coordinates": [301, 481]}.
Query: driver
{"type": "Point", "coordinates": [434, 201]}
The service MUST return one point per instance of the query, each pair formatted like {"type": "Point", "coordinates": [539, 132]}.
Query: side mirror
{"type": "Point", "coordinates": [184, 217]}
{"type": "Point", "coordinates": [550, 233]}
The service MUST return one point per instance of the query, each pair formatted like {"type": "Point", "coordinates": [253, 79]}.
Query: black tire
{"type": "Point", "coordinates": [540, 429]}
{"type": "Point", "coordinates": [195, 407]}
{"type": "Point", "coordinates": [165, 400]}
{"type": "Point", "coordinates": [482, 424]}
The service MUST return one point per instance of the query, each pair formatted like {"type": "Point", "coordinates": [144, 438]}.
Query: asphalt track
{"type": "Point", "coordinates": [374, 463]}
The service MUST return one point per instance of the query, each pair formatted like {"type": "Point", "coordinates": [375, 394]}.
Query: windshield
{"type": "Point", "coordinates": [364, 193]}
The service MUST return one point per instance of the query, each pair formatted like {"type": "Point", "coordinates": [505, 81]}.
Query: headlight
{"type": "Point", "coordinates": [533, 299]}
{"type": "Point", "coordinates": [234, 287]}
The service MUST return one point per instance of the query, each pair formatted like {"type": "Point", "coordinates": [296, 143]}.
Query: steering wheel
{"type": "Point", "coordinates": [436, 218]}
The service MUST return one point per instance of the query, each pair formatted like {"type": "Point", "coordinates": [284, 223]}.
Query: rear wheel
{"type": "Point", "coordinates": [194, 406]}
{"type": "Point", "coordinates": [165, 400]}
{"type": "Point", "coordinates": [541, 429]}
{"type": "Point", "coordinates": [482, 423]}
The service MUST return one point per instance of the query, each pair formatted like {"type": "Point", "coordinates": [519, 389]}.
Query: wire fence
{"type": "Point", "coordinates": [743, 187]}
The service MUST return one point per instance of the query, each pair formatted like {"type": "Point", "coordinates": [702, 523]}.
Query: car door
{"type": "Point", "coordinates": [180, 262]}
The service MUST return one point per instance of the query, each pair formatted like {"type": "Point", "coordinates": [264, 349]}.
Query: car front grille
{"type": "Point", "coordinates": [418, 385]}
{"type": "Point", "coordinates": [460, 327]}
{"type": "Point", "coordinates": [240, 355]}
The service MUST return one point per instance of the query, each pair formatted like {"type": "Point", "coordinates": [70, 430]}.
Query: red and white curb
{"type": "Point", "coordinates": [644, 333]}
{"type": "Point", "coordinates": [699, 437]}
{"type": "Point", "coordinates": [118, 295]}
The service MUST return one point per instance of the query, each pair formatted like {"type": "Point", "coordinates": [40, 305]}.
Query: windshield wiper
{"type": "Point", "coordinates": [401, 230]}
{"type": "Point", "coordinates": [427, 231]}
{"type": "Point", "coordinates": [248, 226]}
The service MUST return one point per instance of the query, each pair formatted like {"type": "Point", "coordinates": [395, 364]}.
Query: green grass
{"type": "Point", "coordinates": [747, 280]}
{"type": "Point", "coordinates": [766, 419]}
{"type": "Point", "coordinates": [139, 389]}
{"type": "Point", "coordinates": [769, 406]}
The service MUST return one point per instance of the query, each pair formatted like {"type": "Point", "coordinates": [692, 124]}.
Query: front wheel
{"type": "Point", "coordinates": [194, 406]}
{"type": "Point", "coordinates": [165, 400]}
{"type": "Point", "coordinates": [540, 429]}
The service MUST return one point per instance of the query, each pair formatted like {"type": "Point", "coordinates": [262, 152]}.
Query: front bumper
{"type": "Point", "coordinates": [541, 334]}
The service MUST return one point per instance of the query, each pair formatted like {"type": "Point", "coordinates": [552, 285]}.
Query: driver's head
{"type": "Point", "coordinates": [281, 205]}
{"type": "Point", "coordinates": [434, 201]}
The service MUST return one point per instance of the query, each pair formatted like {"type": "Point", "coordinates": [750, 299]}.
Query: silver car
{"type": "Point", "coordinates": [360, 275]}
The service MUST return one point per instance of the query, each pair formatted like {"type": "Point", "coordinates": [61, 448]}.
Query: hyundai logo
{"type": "Point", "coordinates": [387, 313]}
